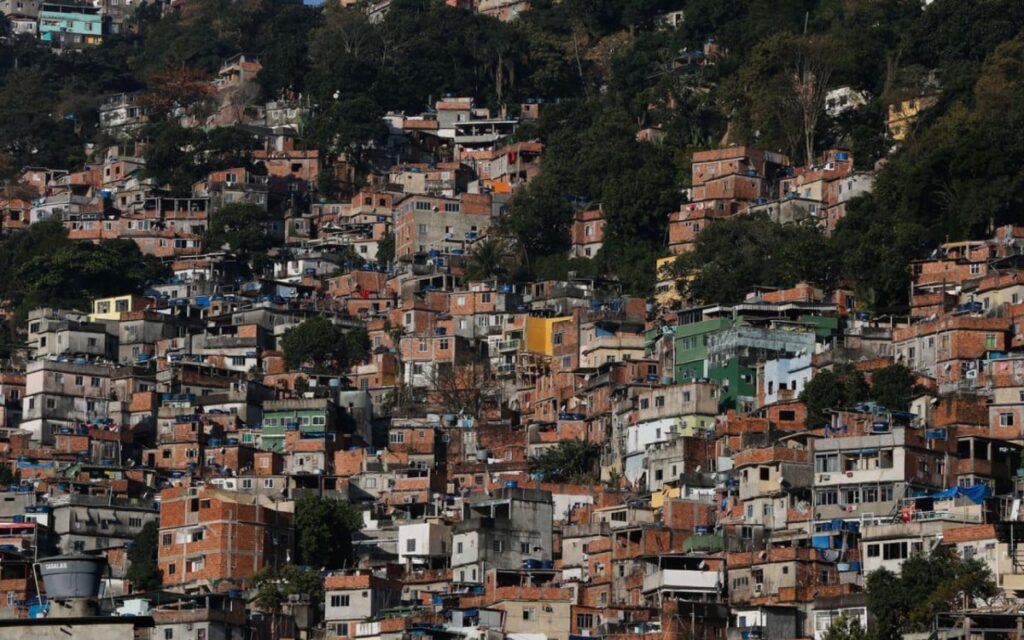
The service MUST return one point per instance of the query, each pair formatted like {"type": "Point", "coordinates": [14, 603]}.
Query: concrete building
{"type": "Point", "coordinates": [64, 394]}
{"type": "Point", "coordinates": [500, 530]}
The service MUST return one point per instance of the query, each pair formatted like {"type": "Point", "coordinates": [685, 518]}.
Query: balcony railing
{"type": "Point", "coordinates": [509, 345]}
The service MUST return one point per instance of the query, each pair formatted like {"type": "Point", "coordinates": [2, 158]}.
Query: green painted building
{"type": "Point", "coordinates": [691, 349]}
{"type": "Point", "coordinates": [737, 383]}
{"type": "Point", "coordinates": [311, 417]}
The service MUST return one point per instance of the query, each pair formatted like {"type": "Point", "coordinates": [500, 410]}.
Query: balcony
{"type": "Point", "coordinates": [682, 580]}
{"type": "Point", "coordinates": [509, 345]}
{"type": "Point", "coordinates": [506, 368]}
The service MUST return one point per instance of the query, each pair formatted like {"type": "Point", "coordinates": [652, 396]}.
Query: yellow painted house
{"type": "Point", "coordinates": [540, 334]}
{"type": "Point", "coordinates": [666, 291]}
{"type": "Point", "coordinates": [902, 116]}
{"type": "Point", "coordinates": [112, 308]}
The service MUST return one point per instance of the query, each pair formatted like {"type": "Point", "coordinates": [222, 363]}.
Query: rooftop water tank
{"type": "Point", "coordinates": [72, 576]}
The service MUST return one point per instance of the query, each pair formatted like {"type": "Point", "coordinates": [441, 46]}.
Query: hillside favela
{"type": "Point", "coordinates": [511, 320]}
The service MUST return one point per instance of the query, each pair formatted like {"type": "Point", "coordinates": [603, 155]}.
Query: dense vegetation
{"type": "Point", "coordinates": [605, 71]}
{"type": "Point", "coordinates": [42, 267]}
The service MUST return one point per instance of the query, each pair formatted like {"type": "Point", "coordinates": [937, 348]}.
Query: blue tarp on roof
{"type": "Point", "coordinates": [976, 494]}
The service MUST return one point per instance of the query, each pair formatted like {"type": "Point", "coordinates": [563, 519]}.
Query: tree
{"type": "Point", "coordinates": [845, 627]}
{"type": "Point", "coordinates": [733, 255]}
{"type": "Point", "coordinates": [894, 387]}
{"type": "Point", "coordinates": [810, 73]}
{"type": "Point", "coordinates": [324, 527]}
{"type": "Point", "coordinates": [72, 274]}
{"type": "Point", "coordinates": [386, 250]}
{"type": "Point", "coordinates": [241, 228]}
{"type": "Point", "coordinates": [324, 345]}
{"type": "Point", "coordinates": [573, 461]}
{"type": "Point", "coordinates": [539, 217]}
{"type": "Point", "coordinates": [488, 260]}
{"type": "Point", "coordinates": [926, 585]}
{"type": "Point", "coordinates": [465, 388]}
{"type": "Point", "coordinates": [144, 573]}
{"type": "Point", "coordinates": [7, 339]}
{"type": "Point", "coordinates": [273, 586]}
{"type": "Point", "coordinates": [839, 388]}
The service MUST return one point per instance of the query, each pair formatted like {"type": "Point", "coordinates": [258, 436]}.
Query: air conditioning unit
{"type": "Point", "coordinates": [758, 587]}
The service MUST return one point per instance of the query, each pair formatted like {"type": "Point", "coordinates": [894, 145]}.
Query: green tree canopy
{"type": "Point", "coordinates": [324, 345]}
{"type": "Point", "coordinates": [241, 227]}
{"type": "Point", "coordinates": [488, 259]}
{"type": "Point", "coordinates": [144, 573]}
{"type": "Point", "coordinates": [734, 255]}
{"type": "Point", "coordinates": [70, 274]}
{"type": "Point", "coordinates": [324, 527]}
{"type": "Point", "coordinates": [568, 461]}
{"type": "Point", "coordinates": [926, 585]}
{"type": "Point", "coordinates": [894, 387]}
{"type": "Point", "coordinates": [830, 389]}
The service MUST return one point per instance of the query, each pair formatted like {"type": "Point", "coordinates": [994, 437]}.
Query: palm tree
{"type": "Point", "coordinates": [488, 260]}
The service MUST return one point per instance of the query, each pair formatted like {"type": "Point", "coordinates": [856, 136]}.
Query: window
{"type": "Point", "coordinates": [340, 601]}
{"type": "Point", "coordinates": [584, 620]}
{"type": "Point", "coordinates": [872, 550]}
{"type": "Point", "coordinates": [268, 483]}
{"type": "Point", "coordinates": [894, 551]}
{"type": "Point", "coordinates": [94, 382]}
{"type": "Point", "coordinates": [458, 547]}
{"type": "Point", "coordinates": [766, 473]}
{"type": "Point", "coordinates": [529, 613]}
{"type": "Point", "coordinates": [1005, 419]}
{"type": "Point", "coordinates": [397, 437]}
{"type": "Point", "coordinates": [826, 497]}
{"type": "Point", "coordinates": [135, 522]}
{"type": "Point", "coordinates": [171, 569]}
{"type": "Point", "coordinates": [167, 539]}
{"type": "Point", "coordinates": [826, 463]}
{"type": "Point", "coordinates": [169, 632]}
{"type": "Point", "coordinates": [410, 545]}
{"type": "Point", "coordinates": [990, 341]}
{"type": "Point", "coordinates": [659, 401]}
{"type": "Point", "coordinates": [498, 546]}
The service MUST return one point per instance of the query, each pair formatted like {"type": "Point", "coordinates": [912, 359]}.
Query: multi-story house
{"type": "Point", "coordinates": [63, 394]}
{"type": "Point", "coordinates": [210, 536]}
{"type": "Point", "coordinates": [500, 531]}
